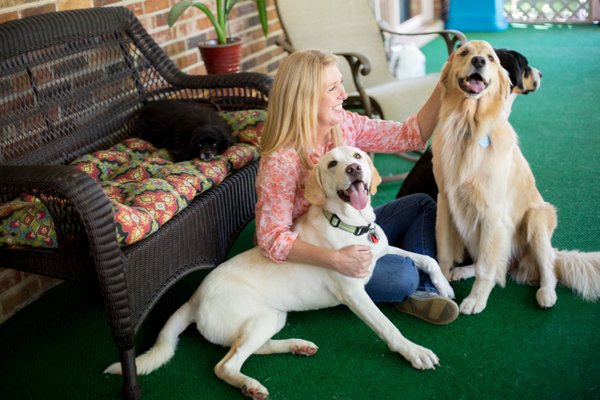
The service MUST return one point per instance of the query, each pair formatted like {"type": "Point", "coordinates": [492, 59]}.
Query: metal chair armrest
{"type": "Point", "coordinates": [453, 38]}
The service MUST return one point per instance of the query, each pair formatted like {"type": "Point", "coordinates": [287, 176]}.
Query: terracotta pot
{"type": "Point", "coordinates": [222, 58]}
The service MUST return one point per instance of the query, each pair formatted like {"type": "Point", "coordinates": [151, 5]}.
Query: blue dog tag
{"type": "Point", "coordinates": [484, 141]}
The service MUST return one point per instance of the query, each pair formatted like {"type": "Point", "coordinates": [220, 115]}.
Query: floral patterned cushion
{"type": "Point", "coordinates": [144, 184]}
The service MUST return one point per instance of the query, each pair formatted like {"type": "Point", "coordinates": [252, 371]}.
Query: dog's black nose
{"type": "Point", "coordinates": [354, 170]}
{"type": "Point", "coordinates": [478, 61]}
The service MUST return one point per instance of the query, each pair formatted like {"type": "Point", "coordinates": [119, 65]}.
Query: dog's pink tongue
{"type": "Point", "coordinates": [358, 195]}
{"type": "Point", "coordinates": [475, 85]}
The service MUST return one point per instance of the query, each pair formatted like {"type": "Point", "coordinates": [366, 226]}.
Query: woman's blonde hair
{"type": "Point", "coordinates": [294, 103]}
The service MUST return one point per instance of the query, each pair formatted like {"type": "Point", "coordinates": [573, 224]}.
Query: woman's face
{"type": "Point", "coordinates": [330, 103]}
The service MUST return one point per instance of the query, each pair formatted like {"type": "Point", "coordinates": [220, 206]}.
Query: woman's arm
{"type": "Point", "coordinates": [428, 114]}
{"type": "Point", "coordinates": [382, 135]}
{"type": "Point", "coordinates": [277, 184]}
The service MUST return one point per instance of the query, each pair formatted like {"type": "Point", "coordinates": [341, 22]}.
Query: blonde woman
{"type": "Point", "coordinates": [306, 119]}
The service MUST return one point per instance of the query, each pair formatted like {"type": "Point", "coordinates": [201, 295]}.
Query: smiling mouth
{"type": "Point", "coordinates": [357, 194]}
{"type": "Point", "coordinates": [473, 84]}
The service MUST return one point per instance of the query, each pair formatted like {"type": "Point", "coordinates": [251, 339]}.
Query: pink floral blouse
{"type": "Point", "coordinates": [281, 176]}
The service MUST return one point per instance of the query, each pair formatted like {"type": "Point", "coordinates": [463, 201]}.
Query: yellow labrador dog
{"type": "Point", "coordinates": [488, 201]}
{"type": "Point", "coordinates": [244, 302]}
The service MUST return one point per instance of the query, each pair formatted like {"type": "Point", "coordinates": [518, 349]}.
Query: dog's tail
{"type": "Point", "coordinates": [164, 348]}
{"type": "Point", "coordinates": [579, 272]}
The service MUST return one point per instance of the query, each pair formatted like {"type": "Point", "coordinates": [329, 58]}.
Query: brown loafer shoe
{"type": "Point", "coordinates": [430, 307]}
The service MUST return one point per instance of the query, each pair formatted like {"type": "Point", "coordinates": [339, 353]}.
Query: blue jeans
{"type": "Point", "coordinates": [409, 223]}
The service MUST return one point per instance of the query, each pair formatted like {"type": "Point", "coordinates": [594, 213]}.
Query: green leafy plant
{"type": "Point", "coordinates": [220, 20]}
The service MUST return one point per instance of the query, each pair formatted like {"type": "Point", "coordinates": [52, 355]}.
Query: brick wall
{"type": "Point", "coordinates": [260, 54]}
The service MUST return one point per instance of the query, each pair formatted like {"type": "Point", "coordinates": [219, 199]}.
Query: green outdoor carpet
{"type": "Point", "coordinates": [57, 347]}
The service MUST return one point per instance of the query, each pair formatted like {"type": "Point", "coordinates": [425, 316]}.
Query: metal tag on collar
{"type": "Point", "coordinates": [484, 141]}
{"type": "Point", "coordinates": [373, 236]}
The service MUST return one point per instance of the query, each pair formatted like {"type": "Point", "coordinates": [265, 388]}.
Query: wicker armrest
{"type": "Point", "coordinates": [60, 181]}
{"type": "Point", "coordinates": [243, 90]}
{"type": "Point", "coordinates": [74, 199]}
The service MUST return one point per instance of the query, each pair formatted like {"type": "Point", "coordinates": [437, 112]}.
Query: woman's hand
{"type": "Point", "coordinates": [353, 261]}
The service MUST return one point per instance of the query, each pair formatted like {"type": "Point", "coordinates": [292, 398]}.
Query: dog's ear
{"type": "Point", "coordinates": [504, 82]}
{"type": "Point", "coordinates": [313, 192]}
{"type": "Point", "coordinates": [375, 177]}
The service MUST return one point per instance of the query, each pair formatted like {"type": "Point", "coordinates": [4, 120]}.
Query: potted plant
{"type": "Point", "coordinates": [223, 54]}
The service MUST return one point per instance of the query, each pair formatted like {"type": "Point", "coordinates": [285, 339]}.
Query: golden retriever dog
{"type": "Point", "coordinates": [524, 79]}
{"type": "Point", "coordinates": [488, 203]}
{"type": "Point", "coordinates": [243, 302]}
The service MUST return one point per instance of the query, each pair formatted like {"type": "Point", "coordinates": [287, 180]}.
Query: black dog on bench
{"type": "Point", "coordinates": [187, 130]}
{"type": "Point", "coordinates": [524, 79]}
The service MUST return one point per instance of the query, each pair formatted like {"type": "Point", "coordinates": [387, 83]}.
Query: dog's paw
{"type": "Point", "coordinates": [304, 348]}
{"type": "Point", "coordinates": [546, 297]}
{"type": "Point", "coordinates": [441, 284]}
{"type": "Point", "coordinates": [462, 273]}
{"type": "Point", "coordinates": [421, 357]}
{"type": "Point", "coordinates": [255, 390]}
{"type": "Point", "coordinates": [444, 288]}
{"type": "Point", "coordinates": [472, 305]}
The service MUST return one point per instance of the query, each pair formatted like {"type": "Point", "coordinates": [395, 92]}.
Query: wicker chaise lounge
{"type": "Point", "coordinates": [69, 84]}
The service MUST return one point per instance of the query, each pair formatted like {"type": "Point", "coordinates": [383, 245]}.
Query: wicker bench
{"type": "Point", "coordinates": [69, 84]}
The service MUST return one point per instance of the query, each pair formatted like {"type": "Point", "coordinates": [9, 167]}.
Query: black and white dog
{"type": "Point", "coordinates": [187, 130]}
{"type": "Point", "coordinates": [523, 78]}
